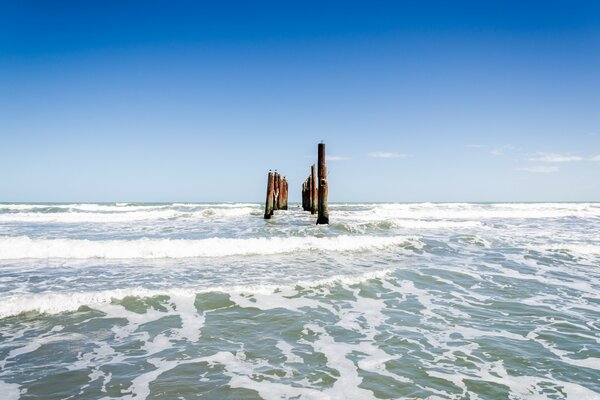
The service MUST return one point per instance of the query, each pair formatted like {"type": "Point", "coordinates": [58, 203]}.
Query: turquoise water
{"type": "Point", "coordinates": [437, 301]}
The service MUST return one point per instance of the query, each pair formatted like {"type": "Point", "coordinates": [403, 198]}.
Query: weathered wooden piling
{"type": "Point", "coordinates": [284, 186]}
{"type": "Point", "coordinates": [280, 197]}
{"type": "Point", "coordinates": [304, 197]}
{"type": "Point", "coordinates": [281, 192]}
{"type": "Point", "coordinates": [313, 189]}
{"type": "Point", "coordinates": [277, 184]}
{"type": "Point", "coordinates": [323, 208]}
{"type": "Point", "coordinates": [310, 193]}
{"type": "Point", "coordinates": [269, 202]}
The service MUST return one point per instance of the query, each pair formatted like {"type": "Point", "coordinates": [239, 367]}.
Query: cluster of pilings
{"type": "Point", "coordinates": [315, 189]}
{"type": "Point", "coordinates": [310, 192]}
{"type": "Point", "coordinates": [277, 194]}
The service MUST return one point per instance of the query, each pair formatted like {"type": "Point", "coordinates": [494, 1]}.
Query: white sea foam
{"type": "Point", "coordinates": [117, 207]}
{"type": "Point", "coordinates": [579, 250]}
{"type": "Point", "coordinates": [483, 276]}
{"type": "Point", "coordinates": [140, 214]}
{"type": "Point", "coordinates": [53, 303]}
{"type": "Point", "coordinates": [10, 391]}
{"type": "Point", "coordinates": [418, 216]}
{"type": "Point", "coordinates": [25, 248]}
{"type": "Point", "coordinates": [473, 211]}
{"type": "Point", "coordinates": [75, 217]}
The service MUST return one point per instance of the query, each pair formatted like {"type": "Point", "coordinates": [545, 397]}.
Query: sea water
{"type": "Point", "coordinates": [210, 301]}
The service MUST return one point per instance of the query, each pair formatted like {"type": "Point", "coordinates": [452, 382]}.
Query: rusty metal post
{"type": "Point", "coordinates": [323, 209]}
{"type": "Point", "coordinates": [269, 202]}
{"type": "Point", "coordinates": [314, 190]}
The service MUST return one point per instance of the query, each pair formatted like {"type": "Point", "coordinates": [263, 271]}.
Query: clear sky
{"type": "Point", "coordinates": [195, 101]}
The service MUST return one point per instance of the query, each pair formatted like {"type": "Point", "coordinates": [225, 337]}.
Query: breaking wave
{"type": "Point", "coordinates": [23, 247]}
{"type": "Point", "coordinates": [54, 303]}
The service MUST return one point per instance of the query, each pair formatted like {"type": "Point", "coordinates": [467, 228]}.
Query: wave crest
{"type": "Point", "coordinates": [54, 303]}
{"type": "Point", "coordinates": [23, 247]}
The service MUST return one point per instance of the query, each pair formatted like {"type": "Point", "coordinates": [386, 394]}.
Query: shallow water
{"type": "Point", "coordinates": [439, 301]}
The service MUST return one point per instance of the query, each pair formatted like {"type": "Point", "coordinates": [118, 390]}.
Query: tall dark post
{"type": "Point", "coordinates": [269, 202]}
{"type": "Point", "coordinates": [323, 209]}
{"type": "Point", "coordinates": [314, 190]}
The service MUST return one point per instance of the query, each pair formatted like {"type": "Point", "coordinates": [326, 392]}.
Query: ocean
{"type": "Point", "coordinates": [389, 301]}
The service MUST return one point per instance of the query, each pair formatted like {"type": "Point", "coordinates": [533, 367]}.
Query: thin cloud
{"type": "Point", "coordinates": [499, 151]}
{"type": "Point", "coordinates": [330, 158]}
{"type": "Point", "coordinates": [337, 158]}
{"type": "Point", "coordinates": [595, 158]}
{"type": "Point", "coordinates": [554, 157]}
{"type": "Point", "coordinates": [540, 169]}
{"type": "Point", "coordinates": [385, 154]}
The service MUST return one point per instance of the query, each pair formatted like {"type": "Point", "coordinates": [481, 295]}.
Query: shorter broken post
{"type": "Point", "coordinates": [323, 209]}
{"type": "Point", "coordinates": [269, 202]}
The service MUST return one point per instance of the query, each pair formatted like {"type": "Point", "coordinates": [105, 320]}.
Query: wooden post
{"type": "Point", "coordinates": [311, 197]}
{"type": "Point", "coordinates": [314, 190]}
{"type": "Point", "coordinates": [284, 194]}
{"type": "Point", "coordinates": [269, 202]}
{"type": "Point", "coordinates": [280, 187]}
{"type": "Point", "coordinates": [273, 197]}
{"type": "Point", "coordinates": [308, 194]}
{"type": "Point", "coordinates": [305, 195]}
{"type": "Point", "coordinates": [323, 209]}
{"type": "Point", "coordinates": [280, 198]}
{"type": "Point", "coordinates": [276, 190]}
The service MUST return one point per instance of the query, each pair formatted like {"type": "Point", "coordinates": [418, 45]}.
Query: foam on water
{"type": "Point", "coordinates": [155, 213]}
{"type": "Point", "coordinates": [53, 303]}
{"type": "Point", "coordinates": [23, 247]}
{"type": "Point", "coordinates": [10, 391]}
{"type": "Point", "coordinates": [437, 301]}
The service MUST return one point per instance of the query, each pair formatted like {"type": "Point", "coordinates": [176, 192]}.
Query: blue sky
{"type": "Point", "coordinates": [195, 101]}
